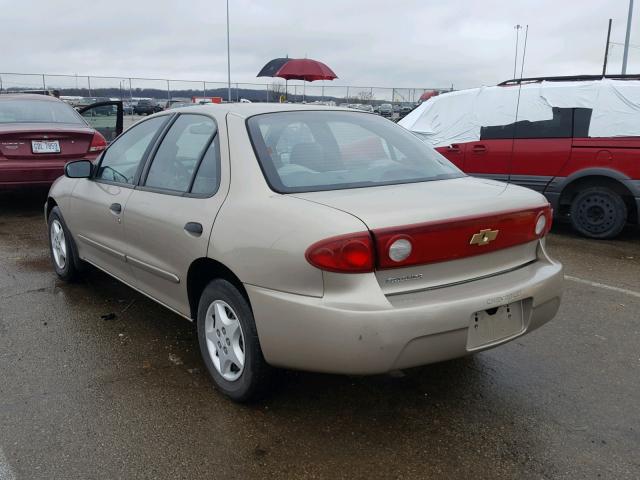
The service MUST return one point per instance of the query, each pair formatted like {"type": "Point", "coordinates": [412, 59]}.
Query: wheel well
{"type": "Point", "coordinates": [572, 189]}
{"type": "Point", "coordinates": [201, 272]}
{"type": "Point", "coordinates": [50, 204]}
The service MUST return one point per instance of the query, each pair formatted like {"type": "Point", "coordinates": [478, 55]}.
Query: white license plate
{"type": "Point", "coordinates": [45, 146]}
{"type": "Point", "coordinates": [494, 325]}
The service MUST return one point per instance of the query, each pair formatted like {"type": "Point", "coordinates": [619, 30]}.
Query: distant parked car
{"type": "Point", "coordinates": [177, 101]}
{"type": "Point", "coordinates": [386, 110]}
{"type": "Point", "coordinates": [180, 104]}
{"type": "Point", "coordinates": [146, 107]}
{"type": "Point", "coordinates": [39, 134]}
{"type": "Point", "coordinates": [576, 140]}
{"type": "Point", "coordinates": [127, 108]}
{"type": "Point", "coordinates": [405, 109]}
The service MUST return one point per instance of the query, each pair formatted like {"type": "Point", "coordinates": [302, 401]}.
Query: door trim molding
{"type": "Point", "coordinates": [103, 248]}
{"type": "Point", "coordinates": [153, 269]}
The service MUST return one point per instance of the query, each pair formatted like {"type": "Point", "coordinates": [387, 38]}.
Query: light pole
{"type": "Point", "coordinates": [625, 56]}
{"type": "Point", "coordinates": [228, 57]}
{"type": "Point", "coordinates": [515, 60]}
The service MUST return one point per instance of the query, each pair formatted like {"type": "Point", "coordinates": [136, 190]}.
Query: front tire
{"type": "Point", "coordinates": [229, 342]}
{"type": "Point", "coordinates": [61, 247]}
{"type": "Point", "coordinates": [598, 212]}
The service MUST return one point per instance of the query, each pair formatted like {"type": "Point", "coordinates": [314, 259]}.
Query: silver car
{"type": "Point", "coordinates": [308, 238]}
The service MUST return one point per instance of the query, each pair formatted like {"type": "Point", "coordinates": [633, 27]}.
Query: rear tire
{"type": "Point", "coordinates": [63, 251]}
{"type": "Point", "coordinates": [598, 212]}
{"type": "Point", "coordinates": [229, 342]}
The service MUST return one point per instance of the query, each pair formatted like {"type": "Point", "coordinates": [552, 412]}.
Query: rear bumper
{"type": "Point", "coordinates": [16, 174]}
{"type": "Point", "coordinates": [338, 335]}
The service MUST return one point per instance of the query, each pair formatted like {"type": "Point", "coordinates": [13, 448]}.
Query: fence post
{"type": "Point", "coordinates": [204, 89]}
{"type": "Point", "coordinates": [237, 93]}
{"type": "Point", "coordinates": [347, 94]}
{"type": "Point", "coordinates": [168, 91]}
{"type": "Point", "coordinates": [89, 84]}
{"type": "Point", "coordinates": [267, 92]}
{"type": "Point", "coordinates": [130, 92]}
{"type": "Point", "coordinates": [44, 84]}
{"type": "Point", "coordinates": [0, 83]}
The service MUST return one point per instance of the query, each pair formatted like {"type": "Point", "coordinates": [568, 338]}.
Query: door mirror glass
{"type": "Point", "coordinates": [78, 169]}
{"type": "Point", "coordinates": [106, 117]}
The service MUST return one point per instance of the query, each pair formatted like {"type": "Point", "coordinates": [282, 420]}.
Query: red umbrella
{"type": "Point", "coordinates": [297, 69]}
{"type": "Point", "coordinates": [305, 69]}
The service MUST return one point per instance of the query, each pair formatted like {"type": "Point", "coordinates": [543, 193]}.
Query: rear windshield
{"type": "Point", "coordinates": [314, 150]}
{"type": "Point", "coordinates": [37, 111]}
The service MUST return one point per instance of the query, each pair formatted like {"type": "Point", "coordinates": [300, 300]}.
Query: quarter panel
{"type": "Point", "coordinates": [262, 236]}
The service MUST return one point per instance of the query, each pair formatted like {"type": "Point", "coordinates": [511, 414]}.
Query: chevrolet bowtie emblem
{"type": "Point", "coordinates": [483, 237]}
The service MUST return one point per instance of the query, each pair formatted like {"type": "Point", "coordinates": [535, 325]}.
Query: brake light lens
{"type": "Point", "coordinates": [98, 143]}
{"type": "Point", "coordinates": [456, 238]}
{"type": "Point", "coordinates": [351, 253]}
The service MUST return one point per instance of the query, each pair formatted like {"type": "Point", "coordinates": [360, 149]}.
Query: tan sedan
{"type": "Point", "coordinates": [320, 239]}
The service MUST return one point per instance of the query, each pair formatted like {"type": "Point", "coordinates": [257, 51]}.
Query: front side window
{"type": "Point", "coordinates": [334, 150]}
{"type": "Point", "coordinates": [179, 153]}
{"type": "Point", "coordinates": [121, 160]}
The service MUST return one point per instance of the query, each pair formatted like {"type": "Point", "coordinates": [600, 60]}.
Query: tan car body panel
{"type": "Point", "coordinates": [261, 235]}
{"type": "Point", "coordinates": [307, 318]}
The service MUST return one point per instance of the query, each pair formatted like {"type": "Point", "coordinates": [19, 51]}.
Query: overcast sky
{"type": "Point", "coordinates": [398, 43]}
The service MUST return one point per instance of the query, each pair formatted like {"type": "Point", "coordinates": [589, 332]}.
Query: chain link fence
{"type": "Point", "coordinates": [135, 88]}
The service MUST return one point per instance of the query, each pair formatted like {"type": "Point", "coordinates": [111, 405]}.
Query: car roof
{"type": "Point", "coordinates": [247, 110]}
{"type": "Point", "coordinates": [28, 96]}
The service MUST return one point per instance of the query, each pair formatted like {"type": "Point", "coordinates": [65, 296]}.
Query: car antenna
{"type": "Point", "coordinates": [515, 123]}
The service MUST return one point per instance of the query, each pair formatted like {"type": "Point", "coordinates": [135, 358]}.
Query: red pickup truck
{"type": "Point", "coordinates": [575, 139]}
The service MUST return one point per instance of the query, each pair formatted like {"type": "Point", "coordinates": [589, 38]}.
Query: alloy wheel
{"type": "Point", "coordinates": [58, 244]}
{"type": "Point", "coordinates": [225, 340]}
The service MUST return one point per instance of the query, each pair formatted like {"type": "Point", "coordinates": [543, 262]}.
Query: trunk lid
{"type": "Point", "coordinates": [15, 140]}
{"type": "Point", "coordinates": [440, 218]}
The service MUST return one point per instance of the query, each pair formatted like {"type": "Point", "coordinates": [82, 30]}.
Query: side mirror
{"type": "Point", "coordinates": [78, 169]}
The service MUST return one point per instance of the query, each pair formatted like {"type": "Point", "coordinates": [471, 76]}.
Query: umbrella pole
{"type": "Point", "coordinates": [286, 90]}
{"type": "Point", "coordinates": [304, 90]}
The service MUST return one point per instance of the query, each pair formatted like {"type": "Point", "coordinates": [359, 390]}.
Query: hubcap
{"type": "Point", "coordinates": [597, 214]}
{"type": "Point", "coordinates": [58, 244]}
{"type": "Point", "coordinates": [225, 340]}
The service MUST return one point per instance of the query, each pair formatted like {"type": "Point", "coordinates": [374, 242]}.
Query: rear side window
{"type": "Point", "coordinates": [121, 160]}
{"type": "Point", "coordinates": [560, 126]}
{"type": "Point", "coordinates": [38, 111]}
{"type": "Point", "coordinates": [328, 150]}
{"type": "Point", "coordinates": [179, 154]}
{"type": "Point", "coordinates": [207, 178]}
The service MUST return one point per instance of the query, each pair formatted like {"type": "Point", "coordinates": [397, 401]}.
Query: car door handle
{"type": "Point", "coordinates": [116, 208]}
{"type": "Point", "coordinates": [479, 149]}
{"type": "Point", "coordinates": [194, 228]}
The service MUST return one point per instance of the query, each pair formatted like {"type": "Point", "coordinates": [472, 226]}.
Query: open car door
{"type": "Point", "coordinates": [106, 117]}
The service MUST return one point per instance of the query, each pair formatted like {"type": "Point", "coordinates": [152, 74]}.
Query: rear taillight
{"type": "Point", "coordinates": [98, 143]}
{"type": "Point", "coordinates": [456, 238]}
{"type": "Point", "coordinates": [351, 253]}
